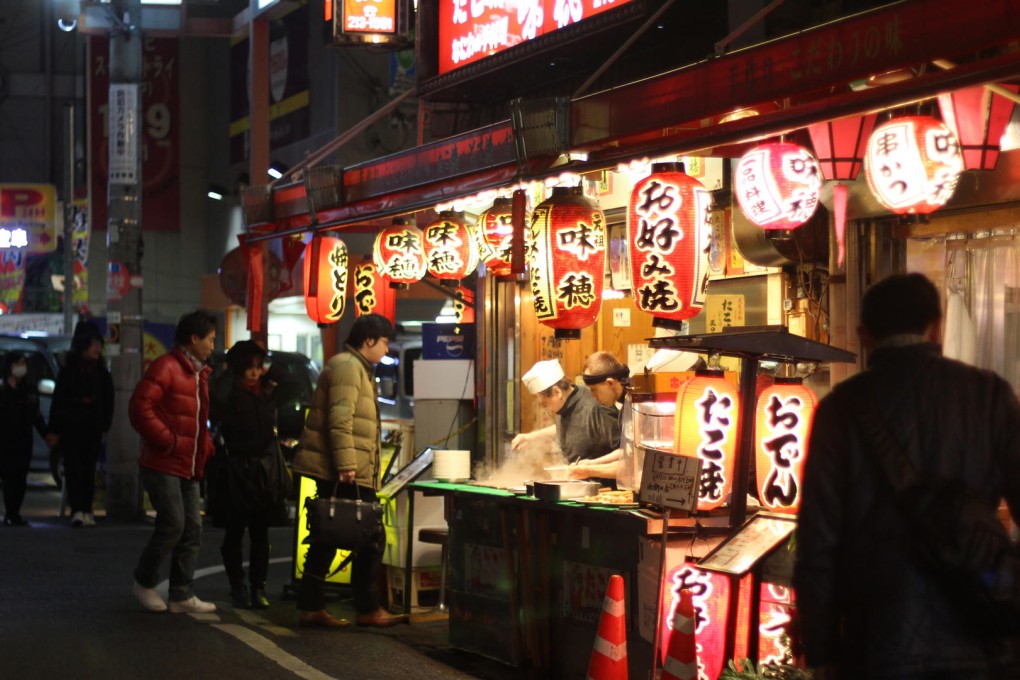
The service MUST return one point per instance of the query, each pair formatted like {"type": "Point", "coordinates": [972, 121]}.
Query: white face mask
{"type": "Point", "coordinates": [19, 371]}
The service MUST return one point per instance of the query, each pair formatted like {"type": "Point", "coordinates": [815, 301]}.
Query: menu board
{"type": "Point", "coordinates": [669, 480]}
{"type": "Point", "coordinates": [407, 474]}
{"type": "Point", "coordinates": [749, 544]}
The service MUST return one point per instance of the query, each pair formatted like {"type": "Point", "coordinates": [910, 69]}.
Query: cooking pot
{"type": "Point", "coordinates": [561, 490]}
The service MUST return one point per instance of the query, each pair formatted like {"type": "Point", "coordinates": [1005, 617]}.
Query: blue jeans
{"type": "Point", "coordinates": [178, 532]}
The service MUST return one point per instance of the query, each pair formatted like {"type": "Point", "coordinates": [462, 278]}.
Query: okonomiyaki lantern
{"type": "Point", "coordinates": [451, 252]}
{"type": "Point", "coordinates": [494, 231]}
{"type": "Point", "coordinates": [325, 279]}
{"type": "Point", "coordinates": [782, 425]}
{"type": "Point", "coordinates": [399, 253]}
{"type": "Point", "coordinates": [777, 186]}
{"type": "Point", "coordinates": [372, 295]}
{"type": "Point", "coordinates": [567, 259]}
{"type": "Point", "coordinates": [668, 232]}
{"type": "Point", "coordinates": [707, 410]}
{"type": "Point", "coordinates": [912, 164]}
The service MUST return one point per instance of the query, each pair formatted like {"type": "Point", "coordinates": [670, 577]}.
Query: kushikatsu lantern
{"type": "Point", "coordinates": [399, 253]}
{"type": "Point", "coordinates": [978, 118]}
{"type": "Point", "coordinates": [669, 232]}
{"type": "Point", "coordinates": [325, 279]}
{"type": "Point", "coordinates": [706, 421]}
{"type": "Point", "coordinates": [451, 251]}
{"type": "Point", "coordinates": [494, 231]}
{"type": "Point", "coordinates": [777, 186]}
{"type": "Point", "coordinates": [567, 259]}
{"type": "Point", "coordinates": [913, 164]}
{"type": "Point", "coordinates": [782, 426]}
{"type": "Point", "coordinates": [372, 294]}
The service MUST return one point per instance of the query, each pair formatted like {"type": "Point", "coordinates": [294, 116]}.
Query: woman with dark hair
{"type": "Point", "coordinates": [19, 412]}
{"type": "Point", "coordinates": [81, 414]}
{"type": "Point", "coordinates": [340, 445]}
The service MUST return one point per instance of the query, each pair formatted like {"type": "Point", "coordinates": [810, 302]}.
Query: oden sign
{"type": "Point", "coordinates": [27, 217]}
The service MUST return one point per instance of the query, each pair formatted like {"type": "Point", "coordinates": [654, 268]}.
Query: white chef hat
{"type": "Point", "coordinates": [543, 375]}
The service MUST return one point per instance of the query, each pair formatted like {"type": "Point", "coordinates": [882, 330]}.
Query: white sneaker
{"type": "Point", "coordinates": [88, 520]}
{"type": "Point", "coordinates": [192, 605]}
{"type": "Point", "coordinates": [149, 598]}
{"type": "Point", "coordinates": [77, 519]}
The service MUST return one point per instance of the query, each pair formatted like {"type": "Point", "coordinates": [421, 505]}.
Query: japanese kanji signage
{"type": "Point", "coordinates": [495, 237]}
{"type": "Point", "coordinates": [325, 279]}
{"type": "Point", "coordinates": [451, 249]}
{"type": "Point", "coordinates": [710, 594]}
{"type": "Point", "coordinates": [372, 295]}
{"type": "Point", "coordinates": [369, 16]}
{"type": "Point", "coordinates": [777, 185]}
{"type": "Point", "coordinates": [783, 417]}
{"type": "Point", "coordinates": [399, 253]}
{"type": "Point", "coordinates": [28, 217]}
{"type": "Point", "coordinates": [669, 480]}
{"type": "Point", "coordinates": [707, 414]}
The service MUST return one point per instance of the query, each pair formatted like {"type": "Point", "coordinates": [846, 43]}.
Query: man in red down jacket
{"type": "Point", "coordinates": [170, 410]}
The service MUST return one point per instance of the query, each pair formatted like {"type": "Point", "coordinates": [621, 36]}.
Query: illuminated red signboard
{"type": "Point", "coordinates": [370, 16]}
{"type": "Point", "coordinates": [470, 30]}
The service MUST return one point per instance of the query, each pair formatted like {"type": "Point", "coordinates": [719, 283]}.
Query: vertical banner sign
{"type": "Point", "coordinates": [80, 243]}
{"type": "Point", "coordinates": [12, 280]}
{"type": "Point", "coordinates": [28, 215]}
{"type": "Point", "coordinates": [122, 134]}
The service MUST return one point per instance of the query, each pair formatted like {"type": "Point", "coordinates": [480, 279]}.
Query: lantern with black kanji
{"type": "Point", "coordinates": [451, 251]}
{"type": "Point", "coordinates": [464, 304]}
{"type": "Point", "coordinates": [913, 164]}
{"type": "Point", "coordinates": [782, 426]}
{"type": "Point", "coordinates": [777, 186]}
{"type": "Point", "coordinates": [494, 231]}
{"type": "Point", "coordinates": [325, 279]}
{"type": "Point", "coordinates": [706, 421]}
{"type": "Point", "coordinates": [978, 117]}
{"type": "Point", "coordinates": [567, 259]}
{"type": "Point", "coordinates": [669, 233]}
{"type": "Point", "coordinates": [372, 294]}
{"type": "Point", "coordinates": [399, 253]}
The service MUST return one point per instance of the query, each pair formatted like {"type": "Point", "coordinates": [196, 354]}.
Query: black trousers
{"type": "Point", "coordinates": [14, 473]}
{"type": "Point", "coordinates": [81, 453]}
{"type": "Point", "coordinates": [364, 569]}
{"type": "Point", "coordinates": [258, 552]}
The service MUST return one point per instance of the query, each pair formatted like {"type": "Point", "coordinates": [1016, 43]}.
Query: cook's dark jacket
{"type": "Point", "coordinates": [853, 565]}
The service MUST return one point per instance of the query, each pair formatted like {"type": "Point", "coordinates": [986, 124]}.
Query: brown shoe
{"type": "Point", "coordinates": [321, 619]}
{"type": "Point", "coordinates": [380, 618]}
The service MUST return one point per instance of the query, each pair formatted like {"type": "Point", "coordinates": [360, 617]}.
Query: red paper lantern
{"type": "Point", "coordinates": [494, 231]}
{"type": "Point", "coordinates": [464, 304]}
{"type": "Point", "coordinates": [782, 426]}
{"type": "Point", "coordinates": [567, 259]}
{"type": "Point", "coordinates": [399, 253]}
{"type": "Point", "coordinates": [777, 185]}
{"type": "Point", "coordinates": [913, 164]}
{"type": "Point", "coordinates": [325, 279]}
{"type": "Point", "coordinates": [840, 144]}
{"type": "Point", "coordinates": [669, 232]}
{"type": "Point", "coordinates": [978, 118]}
{"type": "Point", "coordinates": [710, 593]}
{"type": "Point", "coordinates": [706, 421]}
{"type": "Point", "coordinates": [372, 295]}
{"type": "Point", "coordinates": [451, 251]}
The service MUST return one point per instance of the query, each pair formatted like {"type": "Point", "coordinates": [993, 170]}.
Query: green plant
{"type": "Point", "coordinates": [745, 669]}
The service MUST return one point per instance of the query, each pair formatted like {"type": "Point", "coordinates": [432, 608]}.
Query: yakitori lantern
{"type": "Point", "coordinates": [325, 279]}
{"type": "Point", "coordinates": [399, 253]}
{"type": "Point", "coordinates": [777, 185]}
{"type": "Point", "coordinates": [451, 250]}
{"type": "Point", "coordinates": [494, 231]}
{"type": "Point", "coordinates": [706, 421]}
{"type": "Point", "coordinates": [669, 233]}
{"type": "Point", "coordinates": [782, 426]}
{"type": "Point", "coordinates": [567, 259]}
{"type": "Point", "coordinates": [913, 164]}
{"type": "Point", "coordinates": [372, 293]}
{"type": "Point", "coordinates": [978, 118]}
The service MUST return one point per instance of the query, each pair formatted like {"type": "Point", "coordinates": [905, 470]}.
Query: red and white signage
{"type": "Point", "coordinates": [370, 16]}
{"type": "Point", "coordinates": [28, 215]}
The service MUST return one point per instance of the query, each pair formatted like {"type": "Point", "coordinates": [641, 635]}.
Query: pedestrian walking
{"type": "Point", "coordinates": [170, 409]}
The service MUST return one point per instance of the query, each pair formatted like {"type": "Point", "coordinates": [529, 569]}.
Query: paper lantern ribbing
{"type": "Point", "coordinates": [913, 164]}
{"type": "Point", "coordinates": [777, 185]}
{"type": "Point", "coordinates": [978, 118]}
{"type": "Point", "coordinates": [668, 232]}
{"type": "Point", "coordinates": [372, 295]}
{"type": "Point", "coordinates": [451, 250]}
{"type": "Point", "coordinates": [399, 253]}
{"type": "Point", "coordinates": [325, 279]}
{"type": "Point", "coordinates": [783, 417]}
{"type": "Point", "coordinates": [707, 416]}
{"type": "Point", "coordinates": [567, 259]}
{"type": "Point", "coordinates": [494, 231]}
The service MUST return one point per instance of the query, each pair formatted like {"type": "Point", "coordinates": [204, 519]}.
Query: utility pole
{"type": "Point", "coordinates": [124, 248]}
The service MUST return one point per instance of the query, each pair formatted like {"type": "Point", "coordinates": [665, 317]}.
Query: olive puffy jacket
{"type": "Point", "coordinates": [170, 410]}
{"type": "Point", "coordinates": [342, 428]}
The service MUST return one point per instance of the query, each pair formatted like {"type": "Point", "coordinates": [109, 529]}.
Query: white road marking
{"type": "Point", "coordinates": [253, 619]}
{"type": "Point", "coordinates": [268, 649]}
{"type": "Point", "coordinates": [163, 588]}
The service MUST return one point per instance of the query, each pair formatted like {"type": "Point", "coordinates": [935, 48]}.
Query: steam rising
{"type": "Point", "coordinates": [527, 463]}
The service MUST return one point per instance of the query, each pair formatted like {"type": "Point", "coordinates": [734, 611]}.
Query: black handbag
{"type": "Point", "coordinates": [345, 524]}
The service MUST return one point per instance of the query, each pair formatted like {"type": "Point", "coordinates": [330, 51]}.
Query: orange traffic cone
{"type": "Point", "coordinates": [682, 656]}
{"type": "Point", "coordinates": [609, 655]}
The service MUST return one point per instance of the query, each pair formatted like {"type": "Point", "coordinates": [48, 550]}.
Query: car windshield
{"type": "Point", "coordinates": [38, 367]}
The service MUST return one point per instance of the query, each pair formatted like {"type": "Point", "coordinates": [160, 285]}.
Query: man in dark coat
{"type": "Point", "coordinates": [868, 608]}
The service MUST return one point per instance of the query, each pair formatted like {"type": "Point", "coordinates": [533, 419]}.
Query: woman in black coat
{"type": "Point", "coordinates": [19, 412]}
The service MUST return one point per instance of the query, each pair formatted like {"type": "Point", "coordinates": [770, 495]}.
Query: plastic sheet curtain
{"type": "Point", "coordinates": [982, 324]}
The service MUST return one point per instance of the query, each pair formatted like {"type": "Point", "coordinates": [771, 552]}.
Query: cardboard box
{"type": "Point", "coordinates": [447, 341]}
{"type": "Point", "coordinates": [444, 379]}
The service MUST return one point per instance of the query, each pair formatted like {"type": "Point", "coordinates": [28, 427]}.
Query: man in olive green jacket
{"type": "Point", "coordinates": [340, 449]}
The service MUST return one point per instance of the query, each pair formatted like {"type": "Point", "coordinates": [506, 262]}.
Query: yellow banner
{"type": "Point", "coordinates": [28, 215]}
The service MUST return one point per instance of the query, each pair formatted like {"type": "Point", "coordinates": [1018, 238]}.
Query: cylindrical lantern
{"type": "Point", "coordinates": [706, 421]}
{"type": "Point", "coordinates": [669, 233]}
{"type": "Point", "coordinates": [372, 295]}
{"type": "Point", "coordinates": [777, 185]}
{"type": "Point", "coordinates": [464, 304]}
{"type": "Point", "coordinates": [399, 253]}
{"type": "Point", "coordinates": [494, 231]}
{"type": "Point", "coordinates": [325, 279]}
{"type": "Point", "coordinates": [567, 258]}
{"type": "Point", "coordinates": [782, 426]}
{"type": "Point", "coordinates": [978, 118]}
{"type": "Point", "coordinates": [913, 164]}
{"type": "Point", "coordinates": [451, 252]}
{"type": "Point", "coordinates": [710, 596]}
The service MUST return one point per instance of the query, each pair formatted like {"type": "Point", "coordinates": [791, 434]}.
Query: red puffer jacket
{"type": "Point", "coordinates": [170, 410]}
